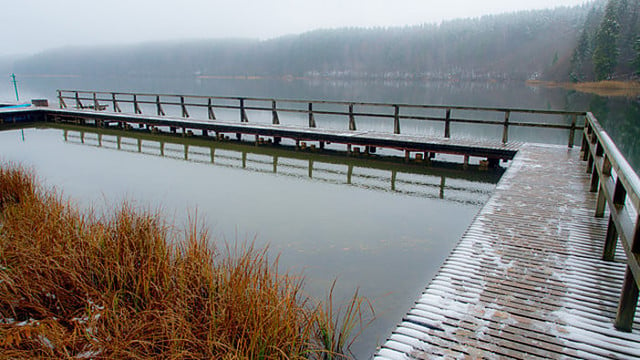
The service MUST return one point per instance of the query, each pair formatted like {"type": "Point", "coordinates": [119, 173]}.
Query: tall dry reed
{"type": "Point", "coordinates": [74, 286]}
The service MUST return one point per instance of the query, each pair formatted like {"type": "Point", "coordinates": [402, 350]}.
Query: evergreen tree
{"type": "Point", "coordinates": [605, 55]}
{"type": "Point", "coordinates": [637, 60]}
{"type": "Point", "coordinates": [580, 55]}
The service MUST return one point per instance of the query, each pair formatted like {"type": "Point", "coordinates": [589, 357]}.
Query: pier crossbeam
{"type": "Point", "coordinates": [469, 147]}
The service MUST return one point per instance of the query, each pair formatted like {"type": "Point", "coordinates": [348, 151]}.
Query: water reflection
{"type": "Point", "coordinates": [361, 173]}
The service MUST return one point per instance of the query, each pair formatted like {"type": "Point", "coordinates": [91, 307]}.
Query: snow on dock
{"type": "Point", "coordinates": [527, 279]}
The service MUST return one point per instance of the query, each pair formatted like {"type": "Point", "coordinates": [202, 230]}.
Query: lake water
{"type": "Point", "coordinates": [383, 227]}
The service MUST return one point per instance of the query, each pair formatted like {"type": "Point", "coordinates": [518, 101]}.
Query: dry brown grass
{"type": "Point", "coordinates": [603, 88]}
{"type": "Point", "coordinates": [73, 286]}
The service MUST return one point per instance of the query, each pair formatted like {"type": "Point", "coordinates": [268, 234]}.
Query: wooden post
{"type": "Point", "coordinates": [572, 131]}
{"type": "Point", "coordinates": [185, 113]}
{"type": "Point", "coordinates": [310, 169]}
{"type": "Point", "coordinates": [96, 105]}
{"type": "Point", "coordinates": [349, 174]}
{"type": "Point", "coordinates": [619, 194]}
{"type": "Point", "coordinates": [162, 148]}
{"type": "Point", "coordinates": [595, 181]}
{"type": "Point", "coordinates": [61, 100]}
{"type": "Point", "coordinates": [505, 132]}
{"type": "Point", "coordinates": [212, 153]}
{"type": "Point", "coordinates": [585, 145]}
{"type": "Point", "coordinates": [352, 119]}
{"type": "Point", "coordinates": [212, 115]}
{"type": "Point", "coordinates": [443, 182]}
{"type": "Point", "coordinates": [635, 241]}
{"type": "Point", "coordinates": [610, 242]}
{"type": "Point", "coordinates": [275, 164]}
{"type": "Point", "coordinates": [244, 159]}
{"type": "Point", "coordinates": [116, 107]}
{"type": "Point", "coordinates": [136, 107]}
{"type": "Point", "coordinates": [447, 124]}
{"type": "Point", "coordinates": [275, 120]}
{"type": "Point", "coordinates": [186, 150]}
{"type": "Point", "coordinates": [396, 119]}
{"type": "Point", "coordinates": [78, 103]}
{"type": "Point", "coordinates": [160, 112]}
{"type": "Point", "coordinates": [628, 303]}
{"type": "Point", "coordinates": [601, 202]}
{"type": "Point", "coordinates": [243, 113]}
{"type": "Point", "coordinates": [394, 175]}
{"type": "Point", "coordinates": [139, 145]}
{"type": "Point", "coordinates": [312, 121]}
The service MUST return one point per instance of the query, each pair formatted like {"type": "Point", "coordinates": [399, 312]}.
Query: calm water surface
{"type": "Point", "coordinates": [328, 216]}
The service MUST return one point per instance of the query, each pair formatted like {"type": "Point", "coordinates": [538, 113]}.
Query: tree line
{"type": "Point", "coordinates": [609, 44]}
{"type": "Point", "coordinates": [551, 44]}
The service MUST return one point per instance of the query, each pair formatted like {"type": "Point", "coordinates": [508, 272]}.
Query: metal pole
{"type": "Point", "coordinates": [15, 86]}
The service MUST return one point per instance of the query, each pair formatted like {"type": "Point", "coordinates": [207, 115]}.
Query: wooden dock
{"type": "Point", "coordinates": [527, 280]}
{"type": "Point", "coordinates": [541, 272]}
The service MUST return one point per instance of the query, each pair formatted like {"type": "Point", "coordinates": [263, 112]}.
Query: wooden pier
{"type": "Point", "coordinates": [538, 274]}
{"type": "Point", "coordinates": [550, 267]}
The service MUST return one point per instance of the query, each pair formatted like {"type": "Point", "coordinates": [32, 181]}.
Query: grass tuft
{"type": "Point", "coordinates": [75, 286]}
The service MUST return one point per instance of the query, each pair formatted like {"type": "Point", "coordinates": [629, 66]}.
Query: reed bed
{"type": "Point", "coordinates": [128, 286]}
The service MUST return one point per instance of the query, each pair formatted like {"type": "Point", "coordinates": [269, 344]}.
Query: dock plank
{"type": "Point", "coordinates": [526, 279]}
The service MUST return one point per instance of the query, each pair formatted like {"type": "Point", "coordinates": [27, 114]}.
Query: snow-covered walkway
{"type": "Point", "coordinates": [527, 280]}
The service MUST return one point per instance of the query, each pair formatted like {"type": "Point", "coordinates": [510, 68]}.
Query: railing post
{"type": "Point", "coordinates": [96, 105]}
{"type": "Point", "coordinates": [396, 119]}
{"type": "Point", "coordinates": [572, 131]}
{"type": "Point", "coordinates": [275, 120]}
{"type": "Point", "coordinates": [447, 125]}
{"type": "Point", "coordinates": [585, 139]}
{"type": "Point", "coordinates": [78, 103]}
{"type": "Point", "coordinates": [116, 107]}
{"type": "Point", "coordinates": [212, 115]}
{"type": "Point", "coordinates": [159, 110]}
{"type": "Point", "coordinates": [352, 119]}
{"type": "Point", "coordinates": [312, 121]}
{"type": "Point", "coordinates": [628, 303]}
{"type": "Point", "coordinates": [505, 132]}
{"type": "Point", "coordinates": [61, 100]}
{"type": "Point", "coordinates": [619, 196]}
{"type": "Point", "coordinates": [243, 113]}
{"type": "Point", "coordinates": [185, 113]}
{"type": "Point", "coordinates": [136, 107]}
{"type": "Point", "coordinates": [610, 241]}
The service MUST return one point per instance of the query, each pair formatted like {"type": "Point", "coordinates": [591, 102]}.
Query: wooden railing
{"type": "Point", "coordinates": [618, 187]}
{"type": "Point", "coordinates": [396, 112]}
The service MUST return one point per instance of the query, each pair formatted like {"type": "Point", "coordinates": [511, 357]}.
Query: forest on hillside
{"type": "Point", "coordinates": [553, 44]}
{"type": "Point", "coordinates": [609, 43]}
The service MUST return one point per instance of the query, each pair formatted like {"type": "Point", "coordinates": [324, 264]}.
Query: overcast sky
{"type": "Point", "coordinates": [30, 26]}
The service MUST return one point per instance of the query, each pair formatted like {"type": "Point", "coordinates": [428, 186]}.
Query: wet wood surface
{"type": "Point", "coordinates": [527, 280]}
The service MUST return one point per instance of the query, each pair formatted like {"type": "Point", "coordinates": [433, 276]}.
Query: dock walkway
{"type": "Point", "coordinates": [527, 280]}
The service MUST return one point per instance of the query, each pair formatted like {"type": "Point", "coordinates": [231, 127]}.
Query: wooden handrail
{"type": "Point", "coordinates": [350, 112]}
{"type": "Point", "coordinates": [618, 187]}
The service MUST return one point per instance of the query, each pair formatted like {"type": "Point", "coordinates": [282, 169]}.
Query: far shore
{"type": "Point", "coordinates": [628, 89]}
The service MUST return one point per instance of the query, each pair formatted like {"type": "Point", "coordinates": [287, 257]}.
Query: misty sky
{"type": "Point", "coordinates": [34, 25]}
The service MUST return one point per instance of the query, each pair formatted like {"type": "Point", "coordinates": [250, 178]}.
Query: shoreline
{"type": "Point", "coordinates": [608, 88]}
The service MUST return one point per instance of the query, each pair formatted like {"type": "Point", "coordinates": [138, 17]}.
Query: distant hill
{"type": "Point", "coordinates": [512, 46]}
